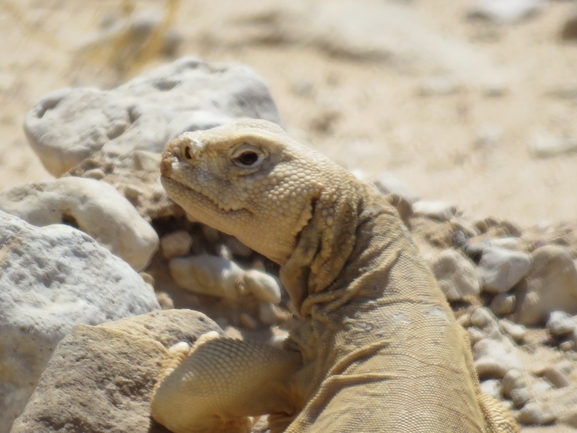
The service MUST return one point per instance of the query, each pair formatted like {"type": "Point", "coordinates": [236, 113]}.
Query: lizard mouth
{"type": "Point", "coordinates": [187, 197]}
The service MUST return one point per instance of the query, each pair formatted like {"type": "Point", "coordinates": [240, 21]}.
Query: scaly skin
{"type": "Point", "coordinates": [378, 349]}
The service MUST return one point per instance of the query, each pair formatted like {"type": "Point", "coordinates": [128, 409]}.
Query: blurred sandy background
{"type": "Point", "coordinates": [449, 104]}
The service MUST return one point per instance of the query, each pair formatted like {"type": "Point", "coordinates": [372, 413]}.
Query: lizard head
{"type": "Point", "coordinates": [248, 179]}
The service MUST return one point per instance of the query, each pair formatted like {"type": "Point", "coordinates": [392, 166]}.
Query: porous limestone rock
{"type": "Point", "coordinates": [501, 269]}
{"type": "Point", "coordinates": [456, 275]}
{"type": "Point", "coordinates": [52, 278]}
{"type": "Point", "coordinates": [551, 285]}
{"type": "Point", "coordinates": [100, 378]}
{"type": "Point", "coordinates": [69, 125]}
{"type": "Point", "coordinates": [94, 207]}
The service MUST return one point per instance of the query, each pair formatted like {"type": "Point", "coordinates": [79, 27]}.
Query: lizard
{"type": "Point", "coordinates": [377, 348]}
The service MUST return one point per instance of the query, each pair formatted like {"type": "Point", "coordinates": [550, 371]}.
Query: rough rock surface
{"type": "Point", "coordinates": [501, 269]}
{"type": "Point", "coordinates": [100, 377]}
{"type": "Point", "coordinates": [51, 279]}
{"type": "Point", "coordinates": [456, 275]}
{"type": "Point", "coordinates": [69, 125]}
{"type": "Point", "coordinates": [94, 207]}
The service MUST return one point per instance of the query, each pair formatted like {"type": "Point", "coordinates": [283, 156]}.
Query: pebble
{"type": "Point", "coordinates": [493, 359]}
{"type": "Point", "coordinates": [520, 396]}
{"type": "Point", "coordinates": [456, 275]}
{"type": "Point", "coordinates": [491, 387]}
{"type": "Point", "coordinates": [534, 413]}
{"type": "Point", "coordinates": [543, 146]}
{"type": "Point", "coordinates": [518, 332]}
{"type": "Point", "coordinates": [550, 286]}
{"type": "Point", "coordinates": [437, 210]}
{"type": "Point", "coordinates": [501, 269]}
{"type": "Point", "coordinates": [560, 323]}
{"type": "Point", "coordinates": [503, 304]}
{"type": "Point", "coordinates": [505, 11]}
{"type": "Point", "coordinates": [556, 377]}
{"type": "Point", "coordinates": [262, 285]}
{"type": "Point", "coordinates": [475, 334]}
{"type": "Point", "coordinates": [147, 161]}
{"type": "Point", "coordinates": [388, 183]}
{"type": "Point", "coordinates": [513, 380]}
{"type": "Point", "coordinates": [176, 244]}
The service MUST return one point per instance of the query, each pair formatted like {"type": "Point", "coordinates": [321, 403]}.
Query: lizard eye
{"type": "Point", "coordinates": [247, 156]}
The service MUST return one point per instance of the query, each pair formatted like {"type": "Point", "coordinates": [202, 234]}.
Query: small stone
{"type": "Point", "coordinates": [132, 192]}
{"type": "Point", "coordinates": [493, 359]}
{"type": "Point", "coordinates": [482, 317]}
{"type": "Point", "coordinates": [501, 269]}
{"type": "Point", "coordinates": [263, 286]}
{"type": "Point", "coordinates": [475, 334]}
{"type": "Point", "coordinates": [567, 346]}
{"type": "Point", "coordinates": [513, 380]}
{"type": "Point", "coordinates": [541, 386]}
{"type": "Point", "coordinates": [521, 396]}
{"type": "Point", "coordinates": [464, 320]}
{"type": "Point", "coordinates": [556, 377]}
{"type": "Point", "coordinates": [437, 210]}
{"type": "Point", "coordinates": [505, 11]}
{"type": "Point", "coordinates": [146, 161]}
{"type": "Point", "coordinates": [491, 387]}
{"type": "Point", "coordinates": [208, 275]}
{"type": "Point", "coordinates": [515, 330]}
{"type": "Point", "coordinates": [544, 146]}
{"type": "Point", "coordinates": [456, 275]}
{"type": "Point", "coordinates": [439, 86]}
{"type": "Point", "coordinates": [176, 244]}
{"type": "Point", "coordinates": [148, 279]}
{"type": "Point", "coordinates": [503, 304]}
{"type": "Point", "coordinates": [95, 174]}
{"type": "Point", "coordinates": [560, 323]}
{"type": "Point", "coordinates": [388, 183]}
{"type": "Point", "coordinates": [508, 243]}
{"type": "Point", "coordinates": [464, 226]}
{"type": "Point", "coordinates": [165, 301]}
{"type": "Point", "coordinates": [534, 413]}
{"type": "Point", "coordinates": [550, 286]}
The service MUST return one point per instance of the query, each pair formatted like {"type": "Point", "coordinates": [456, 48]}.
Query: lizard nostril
{"type": "Point", "coordinates": [187, 152]}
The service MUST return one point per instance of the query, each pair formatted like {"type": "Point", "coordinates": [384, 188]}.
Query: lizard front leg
{"type": "Point", "coordinates": [219, 384]}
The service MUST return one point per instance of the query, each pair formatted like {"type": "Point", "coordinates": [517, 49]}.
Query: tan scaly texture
{"type": "Point", "coordinates": [378, 349]}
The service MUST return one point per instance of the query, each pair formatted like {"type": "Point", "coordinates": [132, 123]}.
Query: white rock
{"type": "Point", "coordinates": [556, 377]}
{"type": "Point", "coordinates": [521, 396]}
{"type": "Point", "coordinates": [544, 146]}
{"type": "Point", "coordinates": [493, 359]}
{"type": "Point", "coordinates": [52, 278]}
{"type": "Point", "coordinates": [560, 323]}
{"type": "Point", "coordinates": [94, 207]}
{"type": "Point", "coordinates": [550, 286]}
{"type": "Point", "coordinates": [514, 379]}
{"type": "Point", "coordinates": [475, 334]}
{"type": "Point", "coordinates": [508, 243]}
{"type": "Point", "coordinates": [503, 304]}
{"type": "Point", "coordinates": [515, 330]}
{"type": "Point", "coordinates": [535, 413]}
{"type": "Point", "coordinates": [491, 387]}
{"type": "Point", "coordinates": [438, 210]}
{"type": "Point", "coordinates": [69, 125]}
{"type": "Point", "coordinates": [505, 11]}
{"type": "Point", "coordinates": [262, 285]}
{"type": "Point", "coordinates": [501, 269]}
{"type": "Point", "coordinates": [456, 275]}
{"type": "Point", "coordinates": [176, 244]}
{"type": "Point", "coordinates": [207, 275]}
{"type": "Point", "coordinates": [388, 183]}
{"type": "Point", "coordinates": [481, 317]}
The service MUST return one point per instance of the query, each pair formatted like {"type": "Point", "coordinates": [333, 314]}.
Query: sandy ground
{"type": "Point", "coordinates": [362, 112]}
